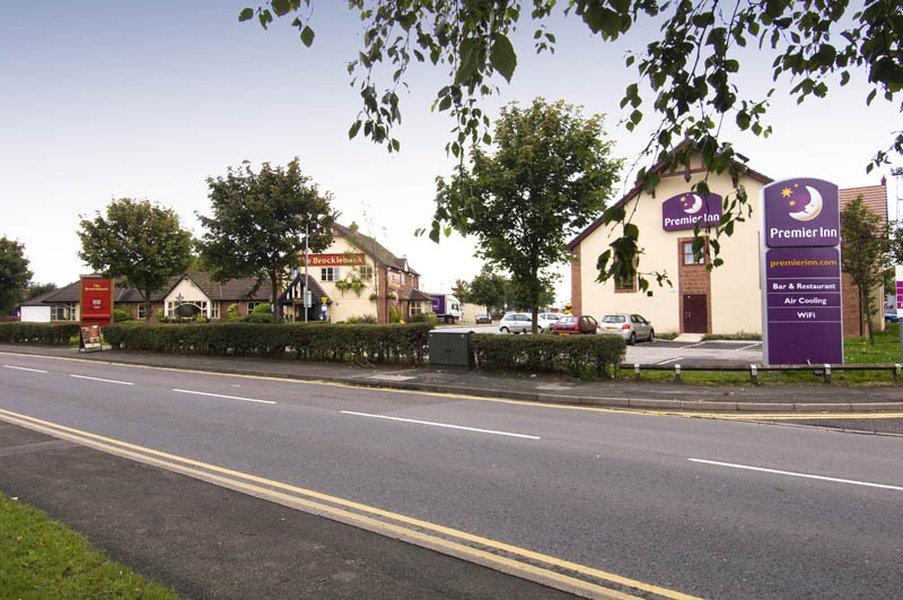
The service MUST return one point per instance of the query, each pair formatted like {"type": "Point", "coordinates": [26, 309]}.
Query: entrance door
{"type": "Point", "coordinates": [696, 311]}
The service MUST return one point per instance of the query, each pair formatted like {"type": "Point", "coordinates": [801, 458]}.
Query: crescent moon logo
{"type": "Point", "coordinates": [812, 209]}
{"type": "Point", "coordinates": [697, 205]}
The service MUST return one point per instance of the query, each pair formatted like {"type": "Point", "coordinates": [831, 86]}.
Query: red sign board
{"type": "Point", "coordinates": [97, 301]}
{"type": "Point", "coordinates": [335, 260]}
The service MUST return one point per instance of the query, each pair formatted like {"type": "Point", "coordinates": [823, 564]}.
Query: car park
{"type": "Point", "coordinates": [570, 325]}
{"type": "Point", "coordinates": [631, 327]}
{"type": "Point", "coordinates": [516, 323]}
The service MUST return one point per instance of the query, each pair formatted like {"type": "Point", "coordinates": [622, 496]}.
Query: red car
{"type": "Point", "coordinates": [569, 324]}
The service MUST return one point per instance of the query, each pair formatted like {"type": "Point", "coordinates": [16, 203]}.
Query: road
{"type": "Point", "coordinates": [704, 507]}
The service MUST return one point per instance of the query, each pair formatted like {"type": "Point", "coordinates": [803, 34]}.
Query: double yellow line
{"type": "Point", "coordinates": [547, 570]}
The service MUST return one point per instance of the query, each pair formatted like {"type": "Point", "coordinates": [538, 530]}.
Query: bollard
{"type": "Point", "coordinates": [897, 368]}
{"type": "Point", "coordinates": [754, 374]}
{"type": "Point", "coordinates": [827, 373]}
{"type": "Point", "coordinates": [677, 373]}
{"type": "Point", "coordinates": [636, 370]}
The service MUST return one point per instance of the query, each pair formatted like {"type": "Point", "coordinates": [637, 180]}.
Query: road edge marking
{"type": "Point", "coordinates": [143, 454]}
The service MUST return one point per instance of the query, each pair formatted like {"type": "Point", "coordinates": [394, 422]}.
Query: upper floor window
{"type": "Point", "coordinates": [688, 258]}
{"type": "Point", "coordinates": [329, 274]}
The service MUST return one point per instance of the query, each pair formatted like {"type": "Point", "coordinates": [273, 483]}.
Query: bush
{"type": "Point", "coordinates": [306, 341]}
{"type": "Point", "coordinates": [121, 315]}
{"type": "Point", "coordinates": [739, 336]}
{"type": "Point", "coordinates": [395, 314]}
{"type": "Point", "coordinates": [38, 333]}
{"type": "Point", "coordinates": [578, 354]}
{"type": "Point", "coordinates": [232, 314]}
{"type": "Point", "coordinates": [365, 319]}
{"type": "Point", "coordinates": [427, 317]}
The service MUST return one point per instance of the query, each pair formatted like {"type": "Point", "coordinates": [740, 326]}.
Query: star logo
{"type": "Point", "coordinates": [785, 193]}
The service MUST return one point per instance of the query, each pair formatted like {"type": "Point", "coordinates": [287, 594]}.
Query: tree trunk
{"type": "Point", "coordinates": [865, 303]}
{"type": "Point", "coordinates": [147, 305]}
{"type": "Point", "coordinates": [274, 295]}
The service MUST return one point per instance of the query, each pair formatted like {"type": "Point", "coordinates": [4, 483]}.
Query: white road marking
{"type": "Point", "coordinates": [795, 474]}
{"type": "Point", "coordinates": [750, 346]}
{"type": "Point", "coordinates": [24, 369]}
{"type": "Point", "coordinates": [102, 379]}
{"type": "Point", "coordinates": [222, 396]}
{"type": "Point", "coordinates": [446, 425]}
{"type": "Point", "coordinates": [665, 362]}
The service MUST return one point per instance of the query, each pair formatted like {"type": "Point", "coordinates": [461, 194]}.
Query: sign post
{"type": "Point", "coordinates": [898, 302]}
{"type": "Point", "coordinates": [96, 311]}
{"type": "Point", "coordinates": [802, 310]}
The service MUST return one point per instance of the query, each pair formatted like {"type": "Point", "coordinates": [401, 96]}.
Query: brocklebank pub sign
{"type": "Point", "coordinates": [802, 315]}
{"type": "Point", "coordinates": [684, 211]}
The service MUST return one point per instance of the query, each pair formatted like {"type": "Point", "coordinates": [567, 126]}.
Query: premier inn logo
{"type": "Point", "coordinates": [686, 210]}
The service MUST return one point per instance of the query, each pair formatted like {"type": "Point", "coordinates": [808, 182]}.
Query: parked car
{"type": "Point", "coordinates": [890, 315]}
{"type": "Point", "coordinates": [546, 320]}
{"type": "Point", "coordinates": [570, 324]}
{"type": "Point", "coordinates": [484, 318]}
{"type": "Point", "coordinates": [631, 327]}
{"type": "Point", "coordinates": [516, 323]}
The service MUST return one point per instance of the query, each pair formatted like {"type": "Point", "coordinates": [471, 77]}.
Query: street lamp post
{"type": "Point", "coordinates": [306, 275]}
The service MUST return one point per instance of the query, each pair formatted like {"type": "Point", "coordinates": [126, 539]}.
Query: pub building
{"type": "Point", "coordinates": [724, 300]}
{"type": "Point", "coordinates": [355, 276]}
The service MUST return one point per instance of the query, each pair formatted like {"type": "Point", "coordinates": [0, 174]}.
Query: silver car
{"type": "Point", "coordinates": [516, 323]}
{"type": "Point", "coordinates": [631, 327]}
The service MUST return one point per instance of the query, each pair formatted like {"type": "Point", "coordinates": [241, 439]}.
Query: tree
{"type": "Point", "coordinates": [14, 273]}
{"type": "Point", "coordinates": [866, 254]}
{"type": "Point", "coordinates": [36, 289]}
{"type": "Point", "coordinates": [690, 71]}
{"type": "Point", "coordinates": [258, 223]}
{"type": "Point", "coordinates": [461, 290]}
{"type": "Point", "coordinates": [140, 242]}
{"type": "Point", "coordinates": [489, 289]}
{"type": "Point", "coordinates": [549, 177]}
{"type": "Point", "coordinates": [519, 298]}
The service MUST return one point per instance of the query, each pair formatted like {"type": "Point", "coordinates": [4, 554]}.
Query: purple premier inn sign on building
{"type": "Point", "coordinates": [801, 305]}
{"type": "Point", "coordinates": [683, 211]}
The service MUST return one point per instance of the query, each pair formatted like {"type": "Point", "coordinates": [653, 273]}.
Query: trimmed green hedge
{"type": "Point", "coordinates": [37, 333]}
{"type": "Point", "coordinates": [312, 341]}
{"type": "Point", "coordinates": [578, 354]}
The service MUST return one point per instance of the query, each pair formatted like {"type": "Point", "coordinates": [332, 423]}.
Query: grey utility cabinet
{"type": "Point", "coordinates": [449, 348]}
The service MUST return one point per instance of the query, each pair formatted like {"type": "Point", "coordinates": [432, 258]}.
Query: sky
{"type": "Point", "coordinates": [103, 100]}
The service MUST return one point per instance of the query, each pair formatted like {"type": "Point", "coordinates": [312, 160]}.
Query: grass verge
{"type": "Point", "coordinates": [857, 351]}
{"type": "Point", "coordinates": [41, 558]}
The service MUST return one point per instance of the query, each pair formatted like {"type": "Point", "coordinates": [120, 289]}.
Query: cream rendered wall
{"type": "Point", "coordinates": [190, 294]}
{"type": "Point", "coordinates": [735, 285]}
{"type": "Point", "coordinates": [348, 303]}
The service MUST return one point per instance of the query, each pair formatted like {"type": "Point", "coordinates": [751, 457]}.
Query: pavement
{"type": "Point", "coordinates": [548, 389]}
{"type": "Point", "coordinates": [206, 541]}
{"type": "Point", "coordinates": [647, 504]}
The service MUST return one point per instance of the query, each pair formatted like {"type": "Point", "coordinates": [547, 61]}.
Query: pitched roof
{"type": "Point", "coordinates": [377, 251]}
{"type": "Point", "coordinates": [873, 196]}
{"type": "Point", "coordinates": [658, 167]}
{"type": "Point", "coordinates": [37, 300]}
{"type": "Point", "coordinates": [417, 295]}
{"type": "Point", "coordinates": [230, 291]}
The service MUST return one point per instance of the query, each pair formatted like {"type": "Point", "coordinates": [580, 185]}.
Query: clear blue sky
{"type": "Point", "coordinates": [147, 99]}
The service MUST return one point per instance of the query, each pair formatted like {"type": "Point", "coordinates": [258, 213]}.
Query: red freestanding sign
{"type": "Point", "coordinates": [97, 301]}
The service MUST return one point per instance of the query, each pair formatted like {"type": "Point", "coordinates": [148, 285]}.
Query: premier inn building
{"type": "Point", "coordinates": [724, 300]}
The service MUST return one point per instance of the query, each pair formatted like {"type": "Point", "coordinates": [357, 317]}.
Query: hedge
{"type": "Point", "coordinates": [311, 341]}
{"type": "Point", "coordinates": [38, 333]}
{"type": "Point", "coordinates": [578, 354]}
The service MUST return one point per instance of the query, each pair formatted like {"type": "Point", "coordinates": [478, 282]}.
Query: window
{"type": "Point", "coordinates": [622, 287]}
{"type": "Point", "coordinates": [252, 305]}
{"type": "Point", "coordinates": [688, 258]}
{"type": "Point", "coordinates": [614, 319]}
{"type": "Point", "coordinates": [63, 312]}
{"type": "Point", "coordinates": [328, 274]}
{"type": "Point", "coordinates": [416, 308]}
{"type": "Point", "coordinates": [367, 273]}
{"type": "Point", "coordinates": [142, 311]}
{"type": "Point", "coordinates": [214, 310]}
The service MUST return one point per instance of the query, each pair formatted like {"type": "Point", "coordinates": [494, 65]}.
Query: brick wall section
{"type": "Point", "coordinates": [576, 283]}
{"type": "Point", "coordinates": [693, 279]}
{"type": "Point", "coordinates": [875, 198]}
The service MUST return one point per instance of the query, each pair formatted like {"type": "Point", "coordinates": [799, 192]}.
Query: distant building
{"type": "Point", "coordinates": [723, 300]}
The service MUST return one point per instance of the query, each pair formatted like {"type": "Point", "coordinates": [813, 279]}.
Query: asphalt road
{"type": "Point", "coordinates": [710, 508]}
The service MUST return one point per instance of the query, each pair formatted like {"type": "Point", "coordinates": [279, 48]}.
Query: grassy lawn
{"type": "Point", "coordinates": [41, 558]}
{"type": "Point", "coordinates": [886, 350]}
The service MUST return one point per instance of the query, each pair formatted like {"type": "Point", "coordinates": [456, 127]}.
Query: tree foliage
{"type": "Point", "coordinates": [137, 241]}
{"type": "Point", "coordinates": [549, 176]}
{"type": "Point", "coordinates": [461, 290]}
{"type": "Point", "coordinates": [258, 223]}
{"type": "Point", "coordinates": [489, 289]}
{"type": "Point", "coordinates": [14, 273]}
{"type": "Point", "coordinates": [866, 254]}
{"type": "Point", "coordinates": [687, 77]}
{"type": "Point", "coordinates": [36, 289]}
